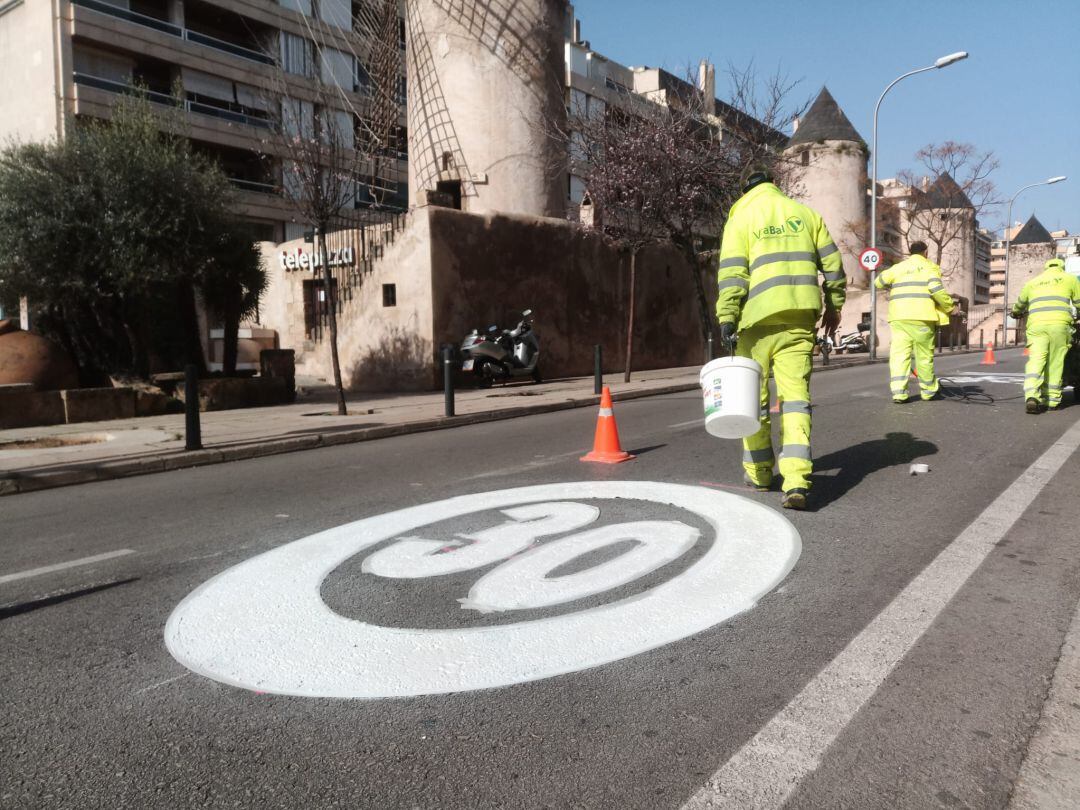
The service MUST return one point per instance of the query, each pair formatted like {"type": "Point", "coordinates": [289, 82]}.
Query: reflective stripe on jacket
{"type": "Point", "coordinates": [772, 250]}
{"type": "Point", "coordinates": [1050, 297]}
{"type": "Point", "coordinates": [916, 292]}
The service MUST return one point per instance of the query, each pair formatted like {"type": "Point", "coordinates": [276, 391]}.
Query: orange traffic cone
{"type": "Point", "coordinates": [988, 358]}
{"type": "Point", "coordinates": [606, 447]}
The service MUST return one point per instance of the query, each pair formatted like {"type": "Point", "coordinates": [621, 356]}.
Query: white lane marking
{"type": "Point", "coordinates": [48, 569]}
{"type": "Point", "coordinates": [699, 422]}
{"type": "Point", "coordinates": [262, 625]}
{"type": "Point", "coordinates": [769, 767]}
{"type": "Point", "coordinates": [165, 682]}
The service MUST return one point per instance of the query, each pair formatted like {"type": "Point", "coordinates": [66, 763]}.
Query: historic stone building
{"type": "Point", "coordinates": [1029, 251]}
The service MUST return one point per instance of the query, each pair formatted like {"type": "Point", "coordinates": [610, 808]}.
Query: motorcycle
{"type": "Point", "coordinates": [853, 341]}
{"type": "Point", "coordinates": [503, 355]}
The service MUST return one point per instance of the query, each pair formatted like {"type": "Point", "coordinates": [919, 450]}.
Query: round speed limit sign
{"type": "Point", "coordinates": [870, 259]}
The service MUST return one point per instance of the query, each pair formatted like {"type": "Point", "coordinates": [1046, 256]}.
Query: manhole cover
{"type": "Point", "coordinates": [52, 442]}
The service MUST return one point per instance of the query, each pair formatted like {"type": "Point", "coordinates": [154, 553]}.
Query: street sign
{"type": "Point", "coordinates": [870, 259]}
{"type": "Point", "coordinates": [263, 625]}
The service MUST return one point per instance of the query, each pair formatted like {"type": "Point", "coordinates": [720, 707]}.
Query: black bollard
{"type": "Point", "coordinates": [709, 350]}
{"type": "Point", "coordinates": [448, 379]}
{"type": "Point", "coordinates": [192, 428]}
{"type": "Point", "coordinates": [598, 369]}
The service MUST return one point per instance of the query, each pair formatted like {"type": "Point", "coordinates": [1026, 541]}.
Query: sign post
{"type": "Point", "coordinates": [870, 261]}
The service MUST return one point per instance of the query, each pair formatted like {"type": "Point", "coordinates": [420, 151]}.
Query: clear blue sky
{"type": "Point", "coordinates": [1018, 94]}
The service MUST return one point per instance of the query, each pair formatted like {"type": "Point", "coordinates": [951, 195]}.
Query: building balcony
{"type": "Point", "coordinates": [200, 108]}
{"type": "Point", "coordinates": [180, 32]}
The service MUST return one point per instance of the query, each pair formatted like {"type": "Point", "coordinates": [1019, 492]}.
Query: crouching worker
{"type": "Point", "coordinates": [772, 251]}
{"type": "Point", "coordinates": [1049, 301]}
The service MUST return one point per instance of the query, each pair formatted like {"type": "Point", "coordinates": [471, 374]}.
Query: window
{"type": "Point", "coordinates": [806, 158]}
{"type": "Point", "coordinates": [296, 55]}
{"type": "Point", "coordinates": [389, 295]}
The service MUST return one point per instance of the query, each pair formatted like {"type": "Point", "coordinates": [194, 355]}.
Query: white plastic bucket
{"type": "Point", "coordinates": [731, 387]}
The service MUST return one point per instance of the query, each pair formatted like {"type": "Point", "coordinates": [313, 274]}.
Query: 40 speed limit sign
{"type": "Point", "coordinates": [263, 625]}
{"type": "Point", "coordinates": [870, 259]}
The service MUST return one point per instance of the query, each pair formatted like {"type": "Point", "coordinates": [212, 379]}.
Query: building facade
{"type": "Point", "coordinates": [230, 64]}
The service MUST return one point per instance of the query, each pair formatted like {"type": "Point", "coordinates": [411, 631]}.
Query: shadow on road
{"type": "Point", "coordinates": [9, 611]}
{"type": "Point", "coordinates": [858, 461]}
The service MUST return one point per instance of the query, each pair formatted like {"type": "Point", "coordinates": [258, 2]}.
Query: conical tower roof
{"type": "Point", "coordinates": [1033, 233]}
{"type": "Point", "coordinates": [825, 121]}
{"type": "Point", "coordinates": [946, 193]}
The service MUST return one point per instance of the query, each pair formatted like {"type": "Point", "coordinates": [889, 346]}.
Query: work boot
{"type": "Point", "coordinates": [899, 401]}
{"type": "Point", "coordinates": [794, 499]}
{"type": "Point", "coordinates": [754, 485]}
{"type": "Point", "coordinates": [1033, 405]}
{"type": "Point", "coordinates": [933, 397]}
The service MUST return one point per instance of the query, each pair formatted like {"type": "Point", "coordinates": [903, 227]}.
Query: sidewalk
{"type": "Point", "coordinates": [95, 451]}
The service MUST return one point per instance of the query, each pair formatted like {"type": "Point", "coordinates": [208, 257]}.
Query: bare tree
{"type": "Point", "coordinates": [333, 147]}
{"type": "Point", "coordinates": [951, 188]}
{"type": "Point", "coordinates": [669, 172]}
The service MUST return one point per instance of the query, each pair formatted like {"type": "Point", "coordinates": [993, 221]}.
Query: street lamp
{"type": "Point", "coordinates": [944, 61]}
{"type": "Point", "coordinates": [1008, 239]}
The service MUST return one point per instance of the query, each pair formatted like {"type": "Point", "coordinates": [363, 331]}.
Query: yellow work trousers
{"type": "Point", "coordinates": [786, 351]}
{"type": "Point", "coordinates": [1047, 346]}
{"type": "Point", "coordinates": [912, 338]}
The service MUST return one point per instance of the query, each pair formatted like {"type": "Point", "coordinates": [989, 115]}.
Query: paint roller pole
{"type": "Point", "coordinates": [598, 369]}
{"type": "Point", "coordinates": [192, 429]}
{"type": "Point", "coordinates": [448, 379]}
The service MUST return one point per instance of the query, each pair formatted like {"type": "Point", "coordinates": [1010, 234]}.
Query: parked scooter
{"type": "Point", "coordinates": [503, 355]}
{"type": "Point", "coordinates": [853, 341]}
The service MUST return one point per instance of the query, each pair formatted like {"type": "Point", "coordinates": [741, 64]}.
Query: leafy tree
{"type": "Point", "coordinates": [112, 232]}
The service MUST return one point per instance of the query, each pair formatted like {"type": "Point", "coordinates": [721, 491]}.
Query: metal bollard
{"type": "Point", "coordinates": [192, 428]}
{"type": "Point", "coordinates": [448, 379]}
{"type": "Point", "coordinates": [982, 342]}
{"type": "Point", "coordinates": [939, 341]}
{"type": "Point", "coordinates": [598, 369]}
{"type": "Point", "coordinates": [709, 349]}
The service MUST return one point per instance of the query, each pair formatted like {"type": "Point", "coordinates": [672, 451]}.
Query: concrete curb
{"type": "Point", "coordinates": [177, 460]}
{"type": "Point", "coordinates": [15, 483]}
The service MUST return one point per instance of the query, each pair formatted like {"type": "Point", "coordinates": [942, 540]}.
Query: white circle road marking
{"type": "Point", "coordinates": [262, 624]}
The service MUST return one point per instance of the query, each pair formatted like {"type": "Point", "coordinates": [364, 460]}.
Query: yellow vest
{"type": "Point", "coordinates": [772, 251]}
{"type": "Point", "coordinates": [1050, 297]}
{"type": "Point", "coordinates": [916, 292]}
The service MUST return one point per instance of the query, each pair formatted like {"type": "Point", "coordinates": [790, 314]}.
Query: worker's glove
{"type": "Point", "coordinates": [727, 334]}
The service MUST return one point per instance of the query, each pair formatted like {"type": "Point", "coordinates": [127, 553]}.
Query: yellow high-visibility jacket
{"type": "Point", "coordinates": [772, 250]}
{"type": "Point", "coordinates": [1050, 297]}
{"type": "Point", "coordinates": [916, 292]}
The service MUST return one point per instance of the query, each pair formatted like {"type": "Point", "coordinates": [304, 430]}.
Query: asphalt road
{"type": "Point", "coordinates": [901, 662]}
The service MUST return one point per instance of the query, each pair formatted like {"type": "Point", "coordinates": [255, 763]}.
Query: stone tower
{"type": "Point", "coordinates": [485, 94]}
{"type": "Point", "coordinates": [829, 174]}
{"type": "Point", "coordinates": [1029, 251]}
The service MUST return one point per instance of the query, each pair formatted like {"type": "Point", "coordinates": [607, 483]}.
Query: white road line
{"type": "Point", "coordinates": [768, 768]}
{"type": "Point", "coordinates": [165, 682]}
{"type": "Point", "coordinates": [48, 569]}
{"type": "Point", "coordinates": [700, 422]}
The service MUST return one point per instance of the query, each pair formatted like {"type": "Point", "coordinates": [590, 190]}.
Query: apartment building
{"type": "Point", "coordinates": [229, 62]}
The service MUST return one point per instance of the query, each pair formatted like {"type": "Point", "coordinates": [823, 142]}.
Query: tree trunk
{"type": "Point", "coordinates": [231, 324]}
{"type": "Point", "coordinates": [704, 310]}
{"type": "Point", "coordinates": [630, 316]}
{"type": "Point", "coordinates": [193, 351]}
{"type": "Point", "coordinates": [331, 305]}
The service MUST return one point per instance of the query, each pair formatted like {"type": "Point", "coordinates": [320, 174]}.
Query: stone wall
{"type": "Point", "coordinates": [487, 269]}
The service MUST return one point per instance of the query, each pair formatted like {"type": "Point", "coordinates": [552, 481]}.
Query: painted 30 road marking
{"type": "Point", "coordinates": [262, 625]}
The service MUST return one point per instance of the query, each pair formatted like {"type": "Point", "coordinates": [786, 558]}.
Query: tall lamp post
{"type": "Point", "coordinates": [1008, 239]}
{"type": "Point", "coordinates": [944, 61]}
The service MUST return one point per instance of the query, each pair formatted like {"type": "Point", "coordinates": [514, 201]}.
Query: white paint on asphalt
{"type": "Point", "coordinates": [262, 625]}
{"type": "Point", "coordinates": [766, 771]}
{"type": "Point", "coordinates": [48, 569]}
{"type": "Point", "coordinates": [698, 422]}
{"type": "Point", "coordinates": [160, 684]}
{"type": "Point", "coordinates": [524, 582]}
